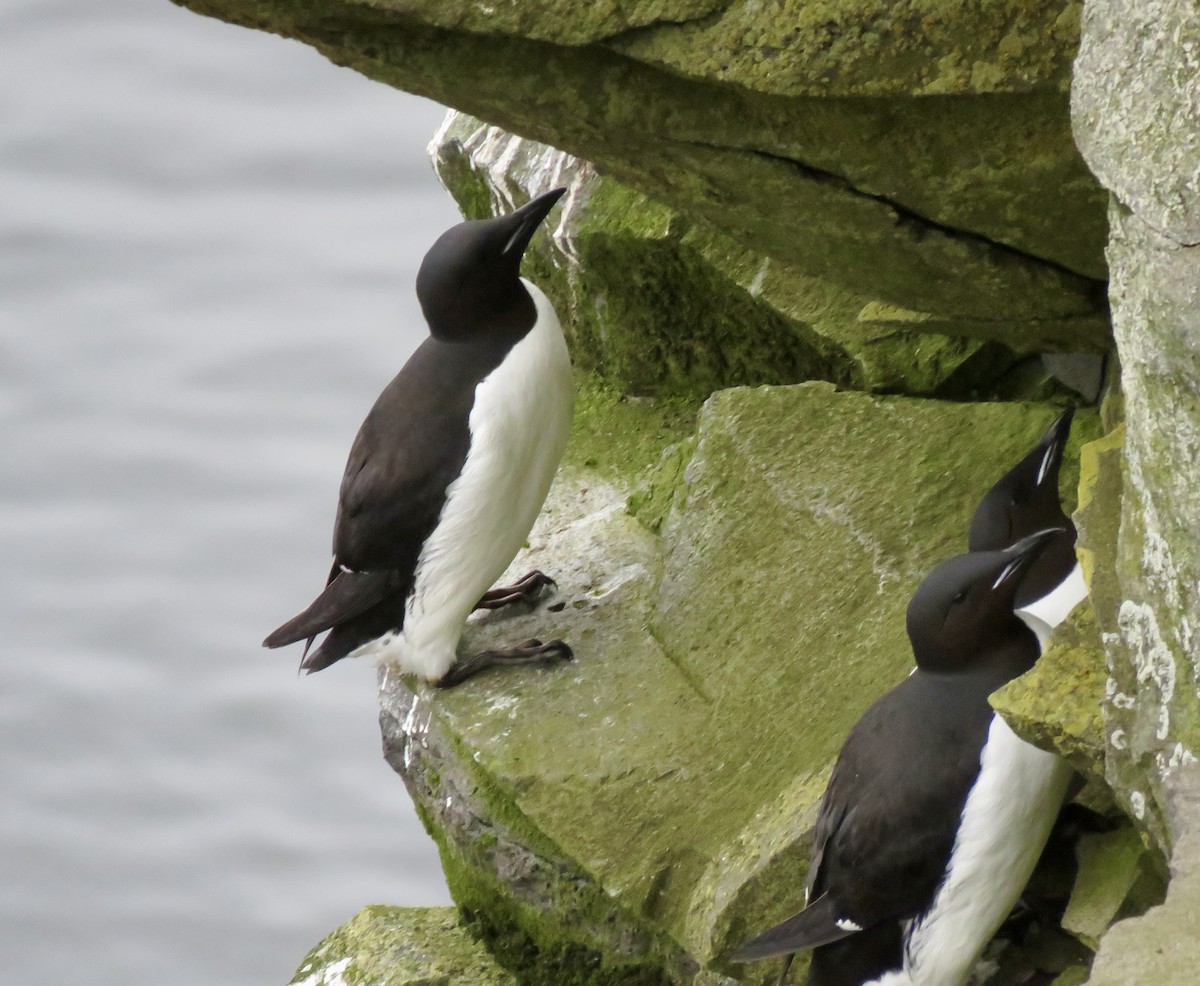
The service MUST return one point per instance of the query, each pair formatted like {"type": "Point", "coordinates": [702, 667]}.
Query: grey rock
{"type": "Point", "coordinates": [1136, 108]}
{"type": "Point", "coordinates": [1136, 99]}
{"type": "Point", "coordinates": [1162, 947]}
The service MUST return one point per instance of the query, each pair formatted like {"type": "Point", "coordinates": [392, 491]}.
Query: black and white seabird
{"type": "Point", "coordinates": [1024, 500]}
{"type": "Point", "coordinates": [929, 827]}
{"type": "Point", "coordinates": [451, 466]}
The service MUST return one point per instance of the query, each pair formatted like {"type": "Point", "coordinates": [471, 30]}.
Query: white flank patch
{"type": "Point", "coordinates": [1005, 824]}
{"type": "Point", "coordinates": [519, 426]}
{"type": "Point", "coordinates": [1043, 615]}
{"type": "Point", "coordinates": [847, 925]}
{"type": "Point", "coordinates": [897, 978]}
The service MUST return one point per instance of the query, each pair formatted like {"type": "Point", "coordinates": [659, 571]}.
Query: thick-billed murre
{"type": "Point", "coordinates": [451, 466]}
{"type": "Point", "coordinates": [922, 830]}
{"type": "Point", "coordinates": [1025, 499]}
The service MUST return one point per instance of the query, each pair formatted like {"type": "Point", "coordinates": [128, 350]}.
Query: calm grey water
{"type": "Point", "coordinates": [208, 238]}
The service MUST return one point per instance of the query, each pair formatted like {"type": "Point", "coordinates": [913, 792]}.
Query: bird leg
{"type": "Point", "coordinates": [526, 589]}
{"type": "Point", "coordinates": [787, 965]}
{"type": "Point", "coordinates": [530, 652]}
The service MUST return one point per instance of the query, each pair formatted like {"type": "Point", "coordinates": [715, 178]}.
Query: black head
{"type": "Point", "coordinates": [1025, 499]}
{"type": "Point", "coordinates": [961, 618]}
{"type": "Point", "coordinates": [469, 281]}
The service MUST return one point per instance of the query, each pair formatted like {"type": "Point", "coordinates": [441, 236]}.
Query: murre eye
{"type": "Point", "coordinates": [959, 596]}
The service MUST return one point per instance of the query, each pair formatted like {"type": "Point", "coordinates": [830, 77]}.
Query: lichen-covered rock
{"type": "Point", "coordinates": [639, 812]}
{"type": "Point", "coordinates": [1137, 117]}
{"type": "Point", "coordinates": [660, 305]}
{"type": "Point", "coordinates": [934, 171]}
{"type": "Point", "coordinates": [401, 946]}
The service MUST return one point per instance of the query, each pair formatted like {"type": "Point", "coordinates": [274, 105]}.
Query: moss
{"type": "Point", "coordinates": [1075, 975]}
{"type": "Point", "coordinates": [621, 438]}
{"type": "Point", "coordinates": [400, 946]}
{"type": "Point", "coordinates": [542, 949]}
{"type": "Point", "coordinates": [651, 501]}
{"type": "Point", "coordinates": [871, 47]}
{"type": "Point", "coordinates": [1097, 512]}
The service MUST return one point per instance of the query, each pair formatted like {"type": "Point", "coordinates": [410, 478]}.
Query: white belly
{"type": "Point", "coordinates": [519, 427]}
{"type": "Point", "coordinates": [1043, 615]}
{"type": "Point", "coordinates": [1005, 824]}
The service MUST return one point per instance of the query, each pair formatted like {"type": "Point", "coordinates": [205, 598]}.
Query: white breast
{"type": "Point", "coordinates": [519, 426]}
{"type": "Point", "coordinates": [1046, 613]}
{"type": "Point", "coordinates": [1005, 823]}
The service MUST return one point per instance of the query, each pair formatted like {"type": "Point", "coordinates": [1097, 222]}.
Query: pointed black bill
{"type": "Point", "coordinates": [527, 219]}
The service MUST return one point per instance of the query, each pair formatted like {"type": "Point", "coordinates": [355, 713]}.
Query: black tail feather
{"type": "Point", "coordinates": [816, 925]}
{"type": "Point", "coordinates": [350, 594]}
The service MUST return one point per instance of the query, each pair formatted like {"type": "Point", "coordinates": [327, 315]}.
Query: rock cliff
{"type": "Point", "coordinates": [826, 267]}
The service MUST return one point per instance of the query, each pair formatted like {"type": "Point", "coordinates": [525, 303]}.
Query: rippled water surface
{"type": "Point", "coordinates": [208, 238]}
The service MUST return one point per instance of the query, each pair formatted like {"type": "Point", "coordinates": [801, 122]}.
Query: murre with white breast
{"type": "Point", "coordinates": [451, 466]}
{"type": "Point", "coordinates": [1025, 499]}
{"type": "Point", "coordinates": [922, 842]}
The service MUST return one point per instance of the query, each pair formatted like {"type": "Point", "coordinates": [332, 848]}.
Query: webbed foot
{"type": "Point", "coordinates": [530, 652]}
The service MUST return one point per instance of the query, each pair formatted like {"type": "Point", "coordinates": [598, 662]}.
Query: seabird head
{"type": "Point", "coordinates": [469, 281]}
{"type": "Point", "coordinates": [1025, 499]}
{"type": "Point", "coordinates": [962, 616]}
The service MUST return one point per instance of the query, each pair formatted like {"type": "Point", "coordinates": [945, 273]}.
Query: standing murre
{"type": "Point", "coordinates": [451, 466]}
{"type": "Point", "coordinates": [922, 842]}
{"type": "Point", "coordinates": [1024, 500]}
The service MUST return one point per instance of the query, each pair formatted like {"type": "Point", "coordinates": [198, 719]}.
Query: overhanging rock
{"type": "Point", "coordinates": [934, 170]}
{"type": "Point", "coordinates": [663, 305]}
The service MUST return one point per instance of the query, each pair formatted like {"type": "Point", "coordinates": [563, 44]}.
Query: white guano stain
{"type": "Point", "coordinates": [330, 975]}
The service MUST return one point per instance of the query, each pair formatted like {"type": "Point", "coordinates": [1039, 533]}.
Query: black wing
{"type": "Point", "coordinates": [410, 448]}
{"type": "Point", "coordinates": [892, 808]}
{"type": "Point", "coordinates": [887, 823]}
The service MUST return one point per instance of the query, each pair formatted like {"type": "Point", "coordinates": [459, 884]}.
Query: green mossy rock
{"type": "Point", "coordinates": [660, 305]}
{"type": "Point", "coordinates": [968, 201]}
{"type": "Point", "coordinates": [401, 946]}
{"type": "Point", "coordinates": [640, 811]}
